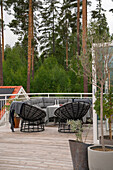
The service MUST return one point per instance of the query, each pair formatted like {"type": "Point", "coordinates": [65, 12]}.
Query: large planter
{"type": "Point", "coordinates": [100, 160]}
{"type": "Point", "coordinates": [79, 155]}
{"type": "Point", "coordinates": [107, 141]}
{"type": "Point", "coordinates": [17, 121]}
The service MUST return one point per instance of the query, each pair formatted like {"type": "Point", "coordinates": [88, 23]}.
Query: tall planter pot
{"type": "Point", "coordinates": [107, 140]}
{"type": "Point", "coordinates": [79, 155]}
{"type": "Point", "coordinates": [100, 160]}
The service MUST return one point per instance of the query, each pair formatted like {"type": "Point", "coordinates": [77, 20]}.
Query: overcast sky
{"type": "Point", "coordinates": [10, 38]}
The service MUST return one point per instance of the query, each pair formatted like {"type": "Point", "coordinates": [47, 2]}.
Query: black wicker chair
{"type": "Point", "coordinates": [33, 118]}
{"type": "Point", "coordinates": [70, 111]}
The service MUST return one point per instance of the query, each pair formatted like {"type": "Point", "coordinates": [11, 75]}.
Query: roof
{"type": "Point", "coordinates": [5, 91]}
{"type": "Point", "coordinates": [8, 90]}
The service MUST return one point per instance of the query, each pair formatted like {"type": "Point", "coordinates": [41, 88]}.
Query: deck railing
{"type": "Point", "coordinates": [6, 98]}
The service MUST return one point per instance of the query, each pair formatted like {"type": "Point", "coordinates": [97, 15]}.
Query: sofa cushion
{"type": "Point", "coordinates": [27, 102]}
{"type": "Point", "coordinates": [69, 100]}
{"type": "Point", "coordinates": [39, 102]}
{"type": "Point", "coordinates": [43, 102]}
{"type": "Point", "coordinates": [36, 101]}
{"type": "Point", "coordinates": [62, 101]}
{"type": "Point", "coordinates": [83, 100]}
{"type": "Point", "coordinates": [48, 101]}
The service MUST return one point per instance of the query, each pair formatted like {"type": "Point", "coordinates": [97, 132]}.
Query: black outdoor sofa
{"type": "Point", "coordinates": [71, 111]}
{"type": "Point", "coordinates": [33, 117]}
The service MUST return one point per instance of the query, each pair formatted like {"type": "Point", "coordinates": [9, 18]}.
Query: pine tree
{"type": "Point", "coordinates": [49, 15]}
{"type": "Point", "coordinates": [67, 28]}
{"type": "Point", "coordinates": [78, 27]}
{"type": "Point", "coordinates": [99, 25]}
{"type": "Point", "coordinates": [1, 70]}
{"type": "Point", "coordinates": [29, 45]}
{"type": "Point", "coordinates": [84, 37]}
{"type": "Point", "coordinates": [2, 25]}
{"type": "Point", "coordinates": [19, 25]}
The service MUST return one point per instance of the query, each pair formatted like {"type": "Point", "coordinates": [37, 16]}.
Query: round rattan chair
{"type": "Point", "coordinates": [32, 118]}
{"type": "Point", "coordinates": [70, 111]}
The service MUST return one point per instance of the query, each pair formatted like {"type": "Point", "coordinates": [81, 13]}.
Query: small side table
{"type": "Point", "coordinates": [50, 112]}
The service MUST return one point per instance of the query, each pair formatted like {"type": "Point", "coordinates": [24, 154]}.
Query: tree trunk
{"type": "Point", "coordinates": [109, 120]}
{"type": "Point", "coordinates": [32, 47]}
{"type": "Point", "coordinates": [66, 45]}
{"type": "Point", "coordinates": [1, 70]}
{"type": "Point", "coordinates": [29, 45]}
{"type": "Point", "coordinates": [2, 30]}
{"type": "Point", "coordinates": [78, 27]}
{"type": "Point", "coordinates": [84, 34]}
{"type": "Point", "coordinates": [53, 36]}
{"type": "Point", "coordinates": [66, 54]}
{"type": "Point", "coordinates": [101, 117]}
{"type": "Point", "coordinates": [110, 131]}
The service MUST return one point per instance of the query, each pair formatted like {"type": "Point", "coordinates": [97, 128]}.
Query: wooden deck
{"type": "Point", "coordinates": [47, 150]}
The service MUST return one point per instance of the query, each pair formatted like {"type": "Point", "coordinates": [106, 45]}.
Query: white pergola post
{"type": "Point", "coordinates": [94, 89]}
{"type": "Point", "coordinates": [95, 128]}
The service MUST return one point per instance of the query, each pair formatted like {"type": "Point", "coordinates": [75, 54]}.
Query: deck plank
{"type": "Point", "coordinates": [47, 150]}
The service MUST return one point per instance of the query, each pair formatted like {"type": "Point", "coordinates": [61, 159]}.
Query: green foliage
{"type": "Point", "coordinates": [97, 103]}
{"type": "Point", "coordinates": [15, 66]}
{"type": "Point", "coordinates": [76, 74]}
{"type": "Point", "coordinates": [76, 126]}
{"type": "Point", "coordinates": [50, 77]}
{"type": "Point", "coordinates": [49, 16]}
{"type": "Point", "coordinates": [107, 104]}
{"type": "Point", "coordinates": [98, 26]}
{"type": "Point", "coordinates": [56, 26]}
{"type": "Point", "coordinates": [76, 82]}
{"type": "Point", "coordinates": [19, 23]}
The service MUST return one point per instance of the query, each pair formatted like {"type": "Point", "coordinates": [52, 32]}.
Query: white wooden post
{"type": "Point", "coordinates": [94, 89]}
{"type": "Point", "coordinates": [5, 109]}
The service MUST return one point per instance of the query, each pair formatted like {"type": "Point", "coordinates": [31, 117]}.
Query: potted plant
{"type": "Point", "coordinates": [101, 156]}
{"type": "Point", "coordinates": [95, 69]}
{"type": "Point", "coordinates": [107, 113]}
{"type": "Point", "coordinates": [77, 147]}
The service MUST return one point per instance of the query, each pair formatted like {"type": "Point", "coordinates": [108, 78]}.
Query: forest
{"type": "Point", "coordinates": [52, 35]}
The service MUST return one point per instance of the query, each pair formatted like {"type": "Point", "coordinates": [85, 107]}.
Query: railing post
{"type": "Point", "coordinates": [5, 109]}
{"type": "Point", "coordinates": [1, 107]}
